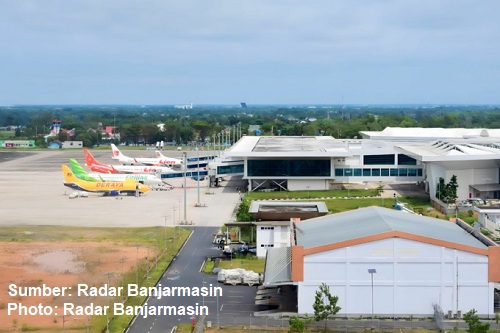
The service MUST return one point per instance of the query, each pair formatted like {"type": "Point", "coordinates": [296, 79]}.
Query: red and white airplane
{"type": "Point", "coordinates": [96, 166]}
{"type": "Point", "coordinates": [163, 160]}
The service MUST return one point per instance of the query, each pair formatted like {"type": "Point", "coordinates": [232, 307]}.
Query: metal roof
{"type": "Point", "coordinates": [279, 206]}
{"type": "Point", "coordinates": [420, 133]}
{"type": "Point", "coordinates": [278, 266]}
{"type": "Point", "coordinates": [305, 146]}
{"type": "Point", "coordinates": [455, 150]}
{"type": "Point", "coordinates": [465, 148]}
{"type": "Point", "coordinates": [375, 220]}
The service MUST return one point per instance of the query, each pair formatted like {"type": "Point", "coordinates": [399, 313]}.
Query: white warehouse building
{"type": "Point", "coordinates": [401, 264]}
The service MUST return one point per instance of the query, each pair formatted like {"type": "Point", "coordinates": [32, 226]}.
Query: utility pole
{"type": "Point", "coordinates": [107, 312]}
{"type": "Point", "coordinates": [122, 260]}
{"type": "Point", "coordinates": [136, 266]}
{"type": "Point", "coordinates": [165, 240]}
{"type": "Point", "coordinates": [185, 189]}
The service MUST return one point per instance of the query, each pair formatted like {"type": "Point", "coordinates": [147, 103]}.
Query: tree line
{"type": "Point", "coordinates": [139, 125]}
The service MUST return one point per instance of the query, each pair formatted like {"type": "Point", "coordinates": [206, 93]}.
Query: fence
{"type": "Point", "coordinates": [338, 324]}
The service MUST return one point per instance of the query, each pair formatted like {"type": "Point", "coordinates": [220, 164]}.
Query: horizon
{"type": "Point", "coordinates": [323, 105]}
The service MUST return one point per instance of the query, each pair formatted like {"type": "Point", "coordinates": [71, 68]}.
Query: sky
{"type": "Point", "coordinates": [258, 52]}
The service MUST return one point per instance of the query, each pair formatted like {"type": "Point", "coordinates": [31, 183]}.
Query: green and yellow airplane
{"type": "Point", "coordinates": [129, 186]}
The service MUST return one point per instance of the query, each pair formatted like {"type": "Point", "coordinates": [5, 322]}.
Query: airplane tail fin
{"type": "Point", "coordinates": [92, 163]}
{"type": "Point", "coordinates": [76, 167]}
{"type": "Point", "coordinates": [116, 152]}
{"type": "Point", "coordinates": [89, 159]}
{"type": "Point", "coordinates": [69, 177]}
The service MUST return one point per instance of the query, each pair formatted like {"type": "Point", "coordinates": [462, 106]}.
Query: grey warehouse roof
{"type": "Point", "coordinates": [376, 220]}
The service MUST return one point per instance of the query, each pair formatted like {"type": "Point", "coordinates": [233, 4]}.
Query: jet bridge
{"type": "Point", "coordinates": [224, 168]}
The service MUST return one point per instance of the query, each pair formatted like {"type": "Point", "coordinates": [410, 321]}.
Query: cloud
{"type": "Point", "coordinates": [218, 41]}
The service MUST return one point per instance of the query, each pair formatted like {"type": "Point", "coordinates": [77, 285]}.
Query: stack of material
{"type": "Point", "coordinates": [238, 276]}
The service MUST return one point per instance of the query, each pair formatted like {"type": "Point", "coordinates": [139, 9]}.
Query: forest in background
{"type": "Point", "coordinates": [139, 124]}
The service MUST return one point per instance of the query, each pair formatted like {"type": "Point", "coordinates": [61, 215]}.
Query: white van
{"type": "Point", "coordinates": [476, 201]}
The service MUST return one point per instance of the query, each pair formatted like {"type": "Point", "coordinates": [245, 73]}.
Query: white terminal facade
{"type": "Point", "coordinates": [393, 155]}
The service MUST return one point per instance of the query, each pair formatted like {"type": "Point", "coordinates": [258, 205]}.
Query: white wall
{"type": "Point", "coordinates": [489, 215]}
{"type": "Point", "coordinates": [433, 173]}
{"type": "Point", "coordinates": [410, 277]}
{"type": "Point", "coordinates": [471, 177]}
{"type": "Point", "coordinates": [302, 184]}
{"type": "Point", "coordinates": [465, 177]}
{"type": "Point", "coordinates": [267, 235]}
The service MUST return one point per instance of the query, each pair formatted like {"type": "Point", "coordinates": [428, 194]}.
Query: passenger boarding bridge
{"type": "Point", "coordinates": [204, 166]}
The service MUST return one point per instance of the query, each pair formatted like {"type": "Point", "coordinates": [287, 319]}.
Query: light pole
{"type": "Point", "coordinates": [157, 245]}
{"type": "Point", "coordinates": [147, 254]}
{"type": "Point", "coordinates": [122, 260]}
{"type": "Point", "coordinates": [107, 312]}
{"type": "Point", "coordinates": [218, 310]}
{"type": "Point", "coordinates": [165, 236]}
{"type": "Point", "coordinates": [185, 190]}
{"type": "Point", "coordinates": [173, 222]}
{"type": "Point", "coordinates": [372, 271]}
{"type": "Point", "coordinates": [218, 137]}
{"type": "Point", "coordinates": [136, 267]}
{"type": "Point", "coordinates": [307, 192]}
{"type": "Point", "coordinates": [198, 176]}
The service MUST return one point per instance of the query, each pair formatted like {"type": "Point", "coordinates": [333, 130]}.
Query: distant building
{"type": "Point", "coordinates": [110, 133]}
{"type": "Point", "coordinates": [56, 144]}
{"type": "Point", "coordinates": [17, 143]}
{"type": "Point", "coordinates": [185, 106]}
{"type": "Point", "coordinates": [72, 144]}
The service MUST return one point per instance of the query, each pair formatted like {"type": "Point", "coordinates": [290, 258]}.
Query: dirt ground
{"type": "Point", "coordinates": [59, 264]}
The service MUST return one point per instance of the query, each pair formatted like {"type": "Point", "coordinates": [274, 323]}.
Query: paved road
{"type": "Point", "coordinates": [236, 301]}
{"type": "Point", "coordinates": [32, 193]}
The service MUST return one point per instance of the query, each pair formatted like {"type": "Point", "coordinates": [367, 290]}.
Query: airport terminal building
{"type": "Point", "coordinates": [273, 163]}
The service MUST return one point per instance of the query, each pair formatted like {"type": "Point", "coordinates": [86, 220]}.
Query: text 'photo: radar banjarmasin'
{"type": "Point", "coordinates": [83, 290]}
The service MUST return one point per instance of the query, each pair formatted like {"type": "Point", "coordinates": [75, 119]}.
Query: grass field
{"type": "Point", "coordinates": [7, 135]}
{"type": "Point", "coordinates": [248, 263]}
{"type": "Point", "coordinates": [310, 194]}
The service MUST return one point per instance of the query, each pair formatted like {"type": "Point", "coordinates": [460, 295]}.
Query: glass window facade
{"type": "Point", "coordinates": [379, 159]}
{"type": "Point", "coordinates": [229, 169]}
{"type": "Point", "coordinates": [289, 168]}
{"type": "Point", "coordinates": [406, 160]}
{"type": "Point", "coordinates": [376, 172]}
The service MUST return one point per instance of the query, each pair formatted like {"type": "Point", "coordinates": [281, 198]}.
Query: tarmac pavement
{"type": "Point", "coordinates": [32, 193]}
